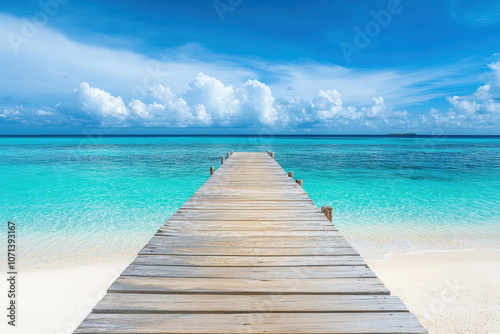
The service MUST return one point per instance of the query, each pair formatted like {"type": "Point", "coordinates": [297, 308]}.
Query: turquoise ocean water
{"type": "Point", "coordinates": [80, 200]}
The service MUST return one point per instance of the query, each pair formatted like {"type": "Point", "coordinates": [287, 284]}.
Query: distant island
{"type": "Point", "coordinates": [402, 134]}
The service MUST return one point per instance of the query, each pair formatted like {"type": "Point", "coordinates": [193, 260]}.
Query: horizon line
{"type": "Point", "coordinates": [246, 135]}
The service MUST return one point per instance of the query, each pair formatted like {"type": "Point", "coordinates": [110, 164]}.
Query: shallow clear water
{"type": "Point", "coordinates": [78, 199]}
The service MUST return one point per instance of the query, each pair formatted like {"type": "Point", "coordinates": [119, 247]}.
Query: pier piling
{"type": "Point", "coordinates": [328, 211]}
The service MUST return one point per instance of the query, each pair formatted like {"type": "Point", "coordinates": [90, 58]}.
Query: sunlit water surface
{"type": "Point", "coordinates": [81, 200]}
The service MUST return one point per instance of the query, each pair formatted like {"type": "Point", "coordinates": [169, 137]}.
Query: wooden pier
{"type": "Point", "coordinates": [249, 253]}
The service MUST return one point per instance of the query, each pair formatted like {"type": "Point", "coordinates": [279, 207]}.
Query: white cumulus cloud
{"type": "Point", "coordinates": [209, 102]}
{"type": "Point", "coordinates": [100, 104]}
{"type": "Point", "coordinates": [478, 110]}
{"type": "Point", "coordinates": [206, 101]}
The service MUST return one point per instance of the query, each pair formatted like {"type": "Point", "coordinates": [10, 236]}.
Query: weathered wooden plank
{"type": "Point", "coordinates": [249, 180]}
{"type": "Point", "coordinates": [246, 251]}
{"type": "Point", "coordinates": [246, 241]}
{"type": "Point", "coordinates": [256, 224]}
{"type": "Point", "coordinates": [234, 228]}
{"type": "Point", "coordinates": [234, 197]}
{"type": "Point", "coordinates": [159, 242]}
{"type": "Point", "coordinates": [327, 286]}
{"type": "Point", "coordinates": [268, 212]}
{"type": "Point", "coordinates": [250, 217]}
{"type": "Point", "coordinates": [294, 192]}
{"type": "Point", "coordinates": [246, 233]}
{"type": "Point", "coordinates": [210, 303]}
{"type": "Point", "coordinates": [248, 206]}
{"type": "Point", "coordinates": [274, 197]}
{"type": "Point", "coordinates": [390, 322]}
{"type": "Point", "coordinates": [249, 272]}
{"type": "Point", "coordinates": [245, 226]}
{"type": "Point", "coordinates": [249, 261]}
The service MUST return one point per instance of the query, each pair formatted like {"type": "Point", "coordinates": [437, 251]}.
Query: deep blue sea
{"type": "Point", "coordinates": [87, 199]}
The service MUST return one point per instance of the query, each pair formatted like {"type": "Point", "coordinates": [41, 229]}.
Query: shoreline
{"type": "Point", "coordinates": [373, 249]}
{"type": "Point", "coordinates": [450, 291]}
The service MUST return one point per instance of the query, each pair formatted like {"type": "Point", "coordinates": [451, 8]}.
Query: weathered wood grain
{"type": "Point", "coordinates": [242, 251]}
{"type": "Point", "coordinates": [249, 261]}
{"type": "Point", "coordinates": [257, 241]}
{"type": "Point", "coordinates": [141, 270]}
{"type": "Point", "coordinates": [328, 286]}
{"type": "Point", "coordinates": [278, 233]}
{"type": "Point", "coordinates": [390, 322]}
{"type": "Point", "coordinates": [227, 303]}
{"type": "Point", "coordinates": [249, 253]}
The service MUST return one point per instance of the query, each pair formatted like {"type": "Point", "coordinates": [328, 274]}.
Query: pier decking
{"type": "Point", "coordinates": [249, 253]}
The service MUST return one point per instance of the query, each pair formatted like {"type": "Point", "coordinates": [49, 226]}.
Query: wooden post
{"type": "Point", "coordinates": [299, 182]}
{"type": "Point", "coordinates": [212, 171]}
{"type": "Point", "coordinates": [221, 160]}
{"type": "Point", "coordinates": [272, 155]}
{"type": "Point", "coordinates": [290, 174]}
{"type": "Point", "coordinates": [328, 211]}
{"type": "Point", "coordinates": [227, 155]}
{"type": "Point", "coordinates": [232, 152]}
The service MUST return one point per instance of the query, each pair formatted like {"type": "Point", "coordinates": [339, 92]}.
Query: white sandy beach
{"type": "Point", "coordinates": [55, 301]}
{"type": "Point", "coordinates": [449, 291]}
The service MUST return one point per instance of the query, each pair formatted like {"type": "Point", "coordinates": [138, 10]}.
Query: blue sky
{"type": "Point", "coordinates": [231, 66]}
